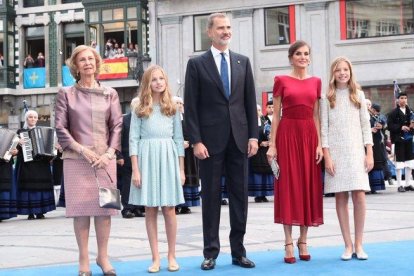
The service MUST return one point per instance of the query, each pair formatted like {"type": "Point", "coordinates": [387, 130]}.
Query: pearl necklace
{"type": "Point", "coordinates": [94, 84]}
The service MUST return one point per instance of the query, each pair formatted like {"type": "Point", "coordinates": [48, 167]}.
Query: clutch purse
{"type": "Point", "coordinates": [275, 168]}
{"type": "Point", "coordinates": [108, 197]}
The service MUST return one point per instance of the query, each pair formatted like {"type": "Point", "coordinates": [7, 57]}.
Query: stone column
{"type": "Point", "coordinates": [242, 26]}
{"type": "Point", "coordinates": [171, 56]}
{"type": "Point", "coordinates": [315, 26]}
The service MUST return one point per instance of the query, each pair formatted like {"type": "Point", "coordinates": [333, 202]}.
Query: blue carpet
{"type": "Point", "coordinates": [391, 258]}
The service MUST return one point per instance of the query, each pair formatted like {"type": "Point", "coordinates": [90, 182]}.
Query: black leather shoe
{"type": "Point", "coordinates": [185, 210]}
{"type": "Point", "coordinates": [208, 264]}
{"type": "Point", "coordinates": [40, 216]}
{"type": "Point", "coordinates": [401, 189]}
{"type": "Point", "coordinates": [224, 202]}
{"type": "Point", "coordinates": [243, 262]}
{"type": "Point", "coordinates": [258, 199]}
{"type": "Point", "coordinates": [264, 199]}
{"type": "Point", "coordinates": [138, 213]}
{"type": "Point", "coordinates": [127, 214]}
{"type": "Point", "coordinates": [409, 188]}
{"type": "Point", "coordinates": [31, 216]}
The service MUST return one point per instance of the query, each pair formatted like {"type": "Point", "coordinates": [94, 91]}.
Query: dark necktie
{"type": "Point", "coordinates": [224, 73]}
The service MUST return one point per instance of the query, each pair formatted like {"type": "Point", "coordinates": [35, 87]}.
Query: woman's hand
{"type": "Point", "coordinates": [369, 162]}
{"type": "Point", "coordinates": [329, 166]}
{"type": "Point", "coordinates": [186, 144]}
{"type": "Point", "coordinates": [319, 154]}
{"type": "Point", "coordinates": [136, 179]}
{"type": "Point", "coordinates": [271, 154]}
{"type": "Point", "coordinates": [182, 177]}
{"type": "Point", "coordinates": [89, 155]}
{"type": "Point", "coordinates": [102, 161]}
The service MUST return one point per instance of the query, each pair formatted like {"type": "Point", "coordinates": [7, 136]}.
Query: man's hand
{"type": "Point", "coordinates": [200, 151]}
{"type": "Point", "coordinates": [252, 148]}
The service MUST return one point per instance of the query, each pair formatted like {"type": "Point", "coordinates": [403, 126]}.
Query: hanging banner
{"type": "Point", "coordinates": [67, 79]}
{"type": "Point", "coordinates": [116, 68]}
{"type": "Point", "coordinates": [34, 78]}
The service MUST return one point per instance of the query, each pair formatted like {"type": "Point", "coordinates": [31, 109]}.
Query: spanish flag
{"type": "Point", "coordinates": [116, 68]}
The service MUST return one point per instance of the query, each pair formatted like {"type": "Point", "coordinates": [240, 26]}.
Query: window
{"type": "Point", "coordinates": [70, 1]}
{"type": "Point", "coordinates": [93, 16]}
{"type": "Point", "coordinates": [73, 35]}
{"type": "Point", "coordinates": [131, 12]}
{"type": "Point", "coordinates": [374, 18]}
{"type": "Point", "coordinates": [33, 3]}
{"type": "Point", "coordinates": [278, 26]}
{"type": "Point", "coordinates": [35, 43]}
{"type": "Point", "coordinates": [201, 40]}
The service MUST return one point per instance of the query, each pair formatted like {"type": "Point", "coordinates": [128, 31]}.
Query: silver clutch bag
{"type": "Point", "coordinates": [108, 197]}
{"type": "Point", "coordinates": [275, 168]}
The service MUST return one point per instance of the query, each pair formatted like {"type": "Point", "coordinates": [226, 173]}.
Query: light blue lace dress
{"type": "Point", "coordinates": [158, 142]}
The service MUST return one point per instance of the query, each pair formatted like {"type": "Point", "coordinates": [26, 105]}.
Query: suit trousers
{"type": "Point", "coordinates": [234, 163]}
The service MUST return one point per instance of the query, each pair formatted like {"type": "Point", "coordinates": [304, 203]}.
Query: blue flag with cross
{"type": "Point", "coordinates": [34, 78]}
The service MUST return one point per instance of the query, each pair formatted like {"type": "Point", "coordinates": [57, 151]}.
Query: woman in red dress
{"type": "Point", "coordinates": [296, 145]}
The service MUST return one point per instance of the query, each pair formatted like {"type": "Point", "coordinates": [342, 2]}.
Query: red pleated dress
{"type": "Point", "coordinates": [298, 191]}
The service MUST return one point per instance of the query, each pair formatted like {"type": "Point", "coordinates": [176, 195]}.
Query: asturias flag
{"type": "Point", "coordinates": [67, 79]}
{"type": "Point", "coordinates": [34, 77]}
{"type": "Point", "coordinates": [116, 68]}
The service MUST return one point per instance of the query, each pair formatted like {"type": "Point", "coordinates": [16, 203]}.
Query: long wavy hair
{"type": "Point", "coordinates": [145, 106]}
{"type": "Point", "coordinates": [353, 86]}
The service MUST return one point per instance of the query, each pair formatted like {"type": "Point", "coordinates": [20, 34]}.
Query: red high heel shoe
{"type": "Point", "coordinates": [290, 260]}
{"type": "Point", "coordinates": [303, 257]}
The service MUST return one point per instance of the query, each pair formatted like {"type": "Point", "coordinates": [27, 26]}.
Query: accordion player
{"type": "Point", "coordinates": [10, 140]}
{"type": "Point", "coordinates": [39, 143]}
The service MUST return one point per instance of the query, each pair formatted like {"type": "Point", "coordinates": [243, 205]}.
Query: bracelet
{"type": "Point", "coordinates": [110, 156]}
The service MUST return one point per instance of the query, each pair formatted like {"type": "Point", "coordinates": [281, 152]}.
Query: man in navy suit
{"type": "Point", "coordinates": [220, 113]}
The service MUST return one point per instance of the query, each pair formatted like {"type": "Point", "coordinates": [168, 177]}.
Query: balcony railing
{"type": "Point", "coordinates": [111, 69]}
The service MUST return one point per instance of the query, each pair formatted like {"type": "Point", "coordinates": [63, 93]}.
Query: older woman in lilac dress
{"type": "Point", "coordinates": [88, 126]}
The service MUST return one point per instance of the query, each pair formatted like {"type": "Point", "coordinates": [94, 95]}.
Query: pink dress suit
{"type": "Point", "coordinates": [92, 118]}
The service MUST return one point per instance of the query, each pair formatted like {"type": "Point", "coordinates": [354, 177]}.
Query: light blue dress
{"type": "Point", "coordinates": [158, 142]}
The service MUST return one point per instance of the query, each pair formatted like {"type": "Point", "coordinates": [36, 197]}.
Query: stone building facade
{"type": "Point", "coordinates": [376, 35]}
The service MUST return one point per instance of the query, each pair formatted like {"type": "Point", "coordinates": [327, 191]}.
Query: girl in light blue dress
{"type": "Point", "coordinates": [156, 147]}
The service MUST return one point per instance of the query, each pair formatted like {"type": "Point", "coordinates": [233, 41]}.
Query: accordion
{"type": "Point", "coordinates": [39, 143]}
{"type": "Point", "coordinates": [9, 141]}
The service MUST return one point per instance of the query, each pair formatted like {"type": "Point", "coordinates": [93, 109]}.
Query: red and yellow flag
{"type": "Point", "coordinates": [116, 68]}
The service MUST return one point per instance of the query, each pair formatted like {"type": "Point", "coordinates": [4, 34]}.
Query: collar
{"type": "Point", "coordinates": [217, 52]}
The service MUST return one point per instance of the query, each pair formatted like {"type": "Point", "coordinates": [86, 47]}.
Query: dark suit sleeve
{"type": "Point", "coordinates": [250, 103]}
{"type": "Point", "coordinates": [191, 99]}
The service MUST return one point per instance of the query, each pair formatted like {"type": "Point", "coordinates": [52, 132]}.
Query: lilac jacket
{"type": "Point", "coordinates": [90, 117]}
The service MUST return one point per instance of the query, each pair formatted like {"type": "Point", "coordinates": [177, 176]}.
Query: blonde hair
{"type": "Point", "coordinates": [71, 62]}
{"type": "Point", "coordinates": [145, 106]}
{"type": "Point", "coordinates": [353, 86]}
